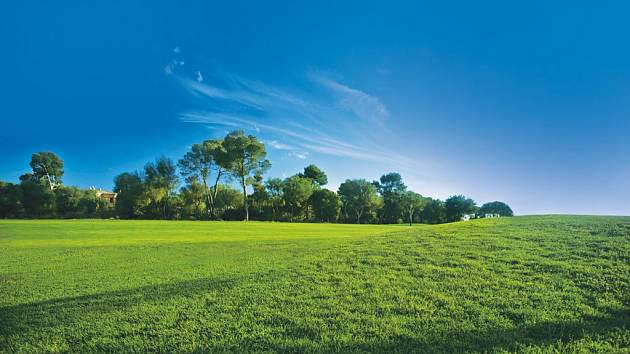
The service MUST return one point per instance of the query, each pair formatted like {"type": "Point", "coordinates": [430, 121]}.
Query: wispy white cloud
{"type": "Point", "coordinates": [292, 150]}
{"type": "Point", "coordinates": [233, 95]}
{"type": "Point", "coordinates": [301, 156]}
{"type": "Point", "coordinates": [280, 146]}
{"type": "Point", "coordinates": [275, 97]}
{"type": "Point", "coordinates": [310, 140]}
{"type": "Point", "coordinates": [293, 121]}
{"type": "Point", "coordinates": [170, 67]}
{"type": "Point", "coordinates": [363, 105]}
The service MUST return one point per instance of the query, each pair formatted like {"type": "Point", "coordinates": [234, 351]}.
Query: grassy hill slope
{"type": "Point", "coordinates": [541, 283]}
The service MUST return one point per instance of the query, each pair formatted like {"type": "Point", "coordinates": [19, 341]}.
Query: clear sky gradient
{"type": "Point", "coordinates": [524, 102]}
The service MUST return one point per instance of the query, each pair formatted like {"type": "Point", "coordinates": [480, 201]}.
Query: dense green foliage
{"type": "Point", "coordinates": [523, 284]}
{"type": "Point", "coordinates": [434, 212]}
{"type": "Point", "coordinates": [391, 188]}
{"type": "Point", "coordinates": [206, 160]}
{"type": "Point", "coordinates": [315, 174]}
{"type": "Point", "coordinates": [496, 208]}
{"type": "Point", "coordinates": [326, 205]}
{"type": "Point", "coordinates": [246, 156]}
{"type": "Point", "coordinates": [47, 167]}
{"type": "Point", "coordinates": [457, 206]}
{"type": "Point", "coordinates": [359, 200]}
{"type": "Point", "coordinates": [209, 171]}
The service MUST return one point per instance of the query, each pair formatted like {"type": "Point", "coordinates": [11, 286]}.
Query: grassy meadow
{"type": "Point", "coordinates": [527, 284]}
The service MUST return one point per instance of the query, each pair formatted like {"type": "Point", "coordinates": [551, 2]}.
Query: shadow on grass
{"type": "Point", "coordinates": [499, 339]}
{"type": "Point", "coordinates": [24, 320]}
{"type": "Point", "coordinates": [40, 316]}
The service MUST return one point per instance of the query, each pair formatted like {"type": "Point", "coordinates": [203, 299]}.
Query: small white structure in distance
{"type": "Point", "coordinates": [467, 217]}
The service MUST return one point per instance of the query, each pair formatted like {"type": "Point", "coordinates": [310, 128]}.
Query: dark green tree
{"type": "Point", "coordinates": [457, 206]}
{"type": "Point", "coordinates": [246, 156]}
{"type": "Point", "coordinates": [132, 199]}
{"type": "Point", "coordinates": [315, 174]}
{"type": "Point", "coordinates": [296, 191]}
{"type": "Point", "coordinates": [434, 212]}
{"type": "Point", "coordinates": [391, 183]}
{"type": "Point", "coordinates": [38, 199]}
{"type": "Point", "coordinates": [73, 202]}
{"type": "Point", "coordinates": [68, 200]}
{"type": "Point", "coordinates": [326, 205]}
{"type": "Point", "coordinates": [206, 160]}
{"type": "Point", "coordinates": [496, 208]}
{"type": "Point", "coordinates": [160, 180]}
{"type": "Point", "coordinates": [392, 189]}
{"type": "Point", "coordinates": [48, 167]}
{"type": "Point", "coordinates": [259, 199]}
{"type": "Point", "coordinates": [359, 198]}
{"type": "Point", "coordinates": [274, 187]}
{"type": "Point", "coordinates": [229, 202]}
{"type": "Point", "coordinates": [10, 200]}
{"type": "Point", "coordinates": [193, 197]}
{"type": "Point", "coordinates": [412, 203]}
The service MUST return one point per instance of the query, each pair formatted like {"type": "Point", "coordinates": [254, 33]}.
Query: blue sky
{"type": "Point", "coordinates": [527, 102]}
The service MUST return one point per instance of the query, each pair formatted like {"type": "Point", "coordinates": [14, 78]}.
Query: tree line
{"type": "Point", "coordinates": [201, 186]}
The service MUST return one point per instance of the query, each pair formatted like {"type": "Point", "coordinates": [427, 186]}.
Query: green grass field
{"type": "Point", "coordinates": [526, 284]}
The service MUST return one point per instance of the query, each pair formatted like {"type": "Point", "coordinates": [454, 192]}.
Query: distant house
{"type": "Point", "coordinates": [467, 217]}
{"type": "Point", "coordinates": [108, 196]}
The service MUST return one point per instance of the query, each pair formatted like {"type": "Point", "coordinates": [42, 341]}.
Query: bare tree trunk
{"type": "Point", "coordinates": [215, 191]}
{"type": "Point", "coordinates": [49, 179]}
{"type": "Point", "coordinates": [209, 202]}
{"type": "Point", "coordinates": [245, 198]}
{"type": "Point", "coordinates": [49, 182]}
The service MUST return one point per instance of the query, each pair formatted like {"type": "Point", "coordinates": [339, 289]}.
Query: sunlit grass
{"type": "Point", "coordinates": [551, 283]}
